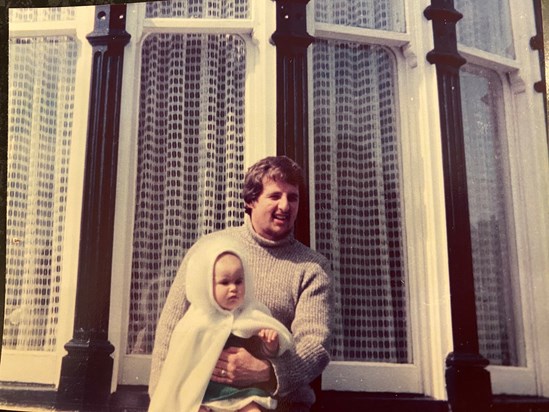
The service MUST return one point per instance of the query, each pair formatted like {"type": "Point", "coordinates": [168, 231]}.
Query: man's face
{"type": "Point", "coordinates": [274, 212]}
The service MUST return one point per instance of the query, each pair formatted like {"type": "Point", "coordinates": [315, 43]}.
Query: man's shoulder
{"type": "Point", "coordinates": [311, 254]}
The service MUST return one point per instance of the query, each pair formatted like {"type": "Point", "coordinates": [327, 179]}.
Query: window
{"type": "Point", "coordinates": [190, 161]}
{"type": "Point", "coordinates": [375, 153]}
{"type": "Point", "coordinates": [359, 197]}
{"type": "Point", "coordinates": [495, 86]}
{"type": "Point", "coordinates": [494, 251]}
{"type": "Point", "coordinates": [195, 88]}
{"type": "Point", "coordinates": [43, 106]}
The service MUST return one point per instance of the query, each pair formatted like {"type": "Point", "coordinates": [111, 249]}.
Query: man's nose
{"type": "Point", "coordinates": [283, 203]}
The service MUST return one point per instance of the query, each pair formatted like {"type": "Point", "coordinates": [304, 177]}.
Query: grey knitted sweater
{"type": "Point", "coordinates": [293, 281]}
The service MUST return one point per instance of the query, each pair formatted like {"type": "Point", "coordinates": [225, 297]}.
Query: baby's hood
{"type": "Point", "coordinates": [200, 271]}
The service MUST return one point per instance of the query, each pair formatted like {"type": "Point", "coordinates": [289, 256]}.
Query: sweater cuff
{"type": "Point", "coordinates": [271, 385]}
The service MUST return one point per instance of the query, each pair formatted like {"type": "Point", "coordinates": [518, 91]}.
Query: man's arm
{"type": "Point", "coordinates": [311, 330]}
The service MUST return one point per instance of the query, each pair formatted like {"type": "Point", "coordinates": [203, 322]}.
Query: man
{"type": "Point", "coordinates": [292, 280]}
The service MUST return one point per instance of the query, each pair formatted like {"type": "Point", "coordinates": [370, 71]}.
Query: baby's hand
{"type": "Point", "coordinates": [270, 341]}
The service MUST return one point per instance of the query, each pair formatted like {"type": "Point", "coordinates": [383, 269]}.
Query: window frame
{"type": "Point", "coordinates": [260, 130]}
{"type": "Point", "coordinates": [45, 367]}
{"type": "Point", "coordinates": [426, 211]}
{"type": "Point", "coordinates": [517, 77]}
{"type": "Point", "coordinates": [426, 372]}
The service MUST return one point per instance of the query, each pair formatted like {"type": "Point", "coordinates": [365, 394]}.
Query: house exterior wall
{"type": "Point", "coordinates": [293, 138]}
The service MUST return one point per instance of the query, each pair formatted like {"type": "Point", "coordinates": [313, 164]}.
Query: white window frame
{"type": "Point", "coordinates": [37, 366]}
{"type": "Point", "coordinates": [260, 136]}
{"type": "Point", "coordinates": [528, 169]}
{"type": "Point", "coordinates": [423, 214]}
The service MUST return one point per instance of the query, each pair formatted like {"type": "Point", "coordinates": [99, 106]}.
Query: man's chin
{"type": "Point", "coordinates": [280, 232]}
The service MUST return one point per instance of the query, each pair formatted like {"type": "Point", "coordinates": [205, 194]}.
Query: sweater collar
{"type": "Point", "coordinates": [261, 241]}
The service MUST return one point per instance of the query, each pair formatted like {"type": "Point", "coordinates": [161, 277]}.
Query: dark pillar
{"type": "Point", "coordinates": [86, 370]}
{"type": "Point", "coordinates": [467, 380]}
{"type": "Point", "coordinates": [537, 43]}
{"type": "Point", "coordinates": [291, 40]}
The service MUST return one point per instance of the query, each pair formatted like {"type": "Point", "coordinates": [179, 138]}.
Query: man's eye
{"type": "Point", "coordinates": [293, 198]}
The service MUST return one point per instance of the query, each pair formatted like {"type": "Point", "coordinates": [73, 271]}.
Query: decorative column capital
{"type": "Point", "coordinates": [444, 18]}
{"type": "Point", "coordinates": [110, 27]}
{"type": "Point", "coordinates": [291, 25]}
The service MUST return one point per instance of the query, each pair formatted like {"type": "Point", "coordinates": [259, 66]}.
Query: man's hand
{"type": "Point", "coordinates": [237, 367]}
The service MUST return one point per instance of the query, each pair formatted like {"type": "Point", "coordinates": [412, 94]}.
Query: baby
{"type": "Point", "coordinates": [222, 314]}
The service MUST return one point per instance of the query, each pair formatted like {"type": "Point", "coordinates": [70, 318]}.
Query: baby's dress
{"type": "Point", "coordinates": [222, 397]}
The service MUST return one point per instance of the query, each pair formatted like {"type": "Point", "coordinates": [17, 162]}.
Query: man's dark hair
{"type": "Point", "coordinates": [277, 168]}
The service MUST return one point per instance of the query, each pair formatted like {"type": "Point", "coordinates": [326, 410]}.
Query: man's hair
{"type": "Point", "coordinates": [277, 168]}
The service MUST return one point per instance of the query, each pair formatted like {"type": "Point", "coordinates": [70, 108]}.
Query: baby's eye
{"type": "Point", "coordinates": [239, 282]}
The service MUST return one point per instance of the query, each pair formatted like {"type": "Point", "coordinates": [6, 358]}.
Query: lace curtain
{"type": "Point", "coordinates": [370, 14]}
{"type": "Point", "coordinates": [190, 161]}
{"type": "Point", "coordinates": [205, 9]}
{"type": "Point", "coordinates": [40, 101]}
{"type": "Point", "coordinates": [20, 15]}
{"type": "Point", "coordinates": [358, 206]}
{"type": "Point", "coordinates": [487, 184]}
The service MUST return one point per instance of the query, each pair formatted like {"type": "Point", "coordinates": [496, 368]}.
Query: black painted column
{"type": "Point", "coordinates": [291, 40]}
{"type": "Point", "coordinates": [86, 370]}
{"type": "Point", "coordinates": [467, 380]}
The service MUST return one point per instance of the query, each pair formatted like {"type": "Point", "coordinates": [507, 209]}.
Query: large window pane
{"type": "Point", "coordinates": [368, 14]}
{"type": "Point", "coordinates": [491, 220]}
{"type": "Point", "coordinates": [486, 25]}
{"type": "Point", "coordinates": [205, 9]}
{"type": "Point", "coordinates": [40, 99]}
{"type": "Point", "coordinates": [190, 161]}
{"type": "Point", "coordinates": [358, 198]}
{"type": "Point", "coordinates": [41, 14]}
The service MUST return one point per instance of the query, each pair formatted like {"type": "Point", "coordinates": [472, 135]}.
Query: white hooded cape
{"type": "Point", "coordinates": [200, 335]}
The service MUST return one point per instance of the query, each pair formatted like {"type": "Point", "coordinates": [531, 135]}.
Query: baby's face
{"type": "Point", "coordinates": [228, 282]}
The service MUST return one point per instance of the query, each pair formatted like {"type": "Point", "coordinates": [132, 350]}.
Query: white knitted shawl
{"type": "Point", "coordinates": [200, 335]}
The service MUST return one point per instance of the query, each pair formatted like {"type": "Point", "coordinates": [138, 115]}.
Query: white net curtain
{"type": "Point", "coordinates": [40, 101]}
{"type": "Point", "coordinates": [190, 161]}
{"type": "Point", "coordinates": [358, 198]}
{"type": "Point", "coordinates": [357, 184]}
{"type": "Point", "coordinates": [205, 9]}
{"type": "Point", "coordinates": [27, 15]}
{"type": "Point", "coordinates": [370, 14]}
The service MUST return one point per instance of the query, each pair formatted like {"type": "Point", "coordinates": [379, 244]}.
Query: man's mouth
{"type": "Point", "coordinates": [283, 217]}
